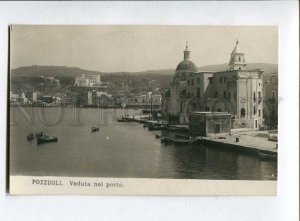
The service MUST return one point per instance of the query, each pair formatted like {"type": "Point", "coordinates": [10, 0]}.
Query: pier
{"type": "Point", "coordinates": [243, 140]}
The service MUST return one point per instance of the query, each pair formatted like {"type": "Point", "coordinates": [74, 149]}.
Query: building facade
{"type": "Point", "coordinates": [88, 81]}
{"type": "Point", "coordinates": [271, 99]}
{"type": "Point", "coordinates": [236, 90]}
{"type": "Point", "coordinates": [208, 123]}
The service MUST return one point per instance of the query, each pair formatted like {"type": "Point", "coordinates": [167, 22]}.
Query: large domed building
{"type": "Point", "coordinates": [236, 91]}
{"type": "Point", "coordinates": [177, 98]}
{"type": "Point", "coordinates": [186, 66]}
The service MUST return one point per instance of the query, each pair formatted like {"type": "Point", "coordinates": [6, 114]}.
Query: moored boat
{"type": "Point", "coordinates": [266, 156]}
{"type": "Point", "coordinates": [94, 129]}
{"type": "Point", "coordinates": [152, 127]}
{"type": "Point", "coordinates": [166, 140]}
{"type": "Point", "coordinates": [184, 141]}
{"type": "Point", "coordinates": [30, 137]}
{"type": "Point", "coordinates": [46, 139]}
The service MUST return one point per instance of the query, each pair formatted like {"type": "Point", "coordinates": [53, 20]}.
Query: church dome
{"type": "Point", "coordinates": [186, 65]}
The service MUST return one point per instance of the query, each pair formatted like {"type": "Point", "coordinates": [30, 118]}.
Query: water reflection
{"type": "Point", "coordinates": [121, 150]}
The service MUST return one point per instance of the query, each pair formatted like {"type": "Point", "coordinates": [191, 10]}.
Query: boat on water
{"type": "Point", "coordinates": [30, 137]}
{"type": "Point", "coordinates": [44, 138]}
{"type": "Point", "coordinates": [266, 156]}
{"type": "Point", "coordinates": [152, 127]}
{"type": "Point", "coordinates": [94, 129]}
{"type": "Point", "coordinates": [181, 136]}
{"type": "Point", "coordinates": [166, 140]}
{"type": "Point", "coordinates": [122, 120]}
{"type": "Point", "coordinates": [40, 134]}
{"type": "Point", "coordinates": [184, 141]}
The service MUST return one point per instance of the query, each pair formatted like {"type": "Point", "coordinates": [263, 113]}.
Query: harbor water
{"type": "Point", "coordinates": [125, 150]}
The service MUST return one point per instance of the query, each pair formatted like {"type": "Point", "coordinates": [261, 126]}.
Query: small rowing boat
{"type": "Point", "coordinates": [94, 129]}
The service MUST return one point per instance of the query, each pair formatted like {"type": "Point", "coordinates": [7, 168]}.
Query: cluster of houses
{"type": "Point", "coordinates": [37, 99]}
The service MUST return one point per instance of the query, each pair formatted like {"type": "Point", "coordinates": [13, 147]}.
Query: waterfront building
{"type": "Point", "coordinates": [23, 97]}
{"type": "Point", "coordinates": [270, 112]}
{"type": "Point", "coordinates": [209, 123]}
{"type": "Point", "coordinates": [236, 90]}
{"type": "Point", "coordinates": [88, 81]}
{"type": "Point", "coordinates": [98, 98]}
{"type": "Point", "coordinates": [90, 98]}
{"type": "Point", "coordinates": [145, 99]}
{"type": "Point", "coordinates": [34, 96]}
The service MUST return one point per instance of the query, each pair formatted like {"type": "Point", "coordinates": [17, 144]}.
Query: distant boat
{"type": "Point", "coordinates": [30, 137]}
{"type": "Point", "coordinates": [166, 140]}
{"type": "Point", "coordinates": [267, 156]}
{"type": "Point", "coordinates": [44, 138]}
{"type": "Point", "coordinates": [94, 129]}
{"type": "Point", "coordinates": [184, 141]}
{"type": "Point", "coordinates": [40, 134]}
{"type": "Point", "coordinates": [122, 120]}
{"type": "Point", "coordinates": [152, 127]}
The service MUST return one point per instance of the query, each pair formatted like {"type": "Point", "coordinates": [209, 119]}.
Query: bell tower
{"type": "Point", "coordinates": [237, 59]}
{"type": "Point", "coordinates": [186, 52]}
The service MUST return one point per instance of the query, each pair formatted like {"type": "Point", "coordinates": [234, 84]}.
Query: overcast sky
{"type": "Point", "coordinates": [138, 48]}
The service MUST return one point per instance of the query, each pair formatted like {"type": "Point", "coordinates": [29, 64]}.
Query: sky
{"type": "Point", "coordinates": [138, 48]}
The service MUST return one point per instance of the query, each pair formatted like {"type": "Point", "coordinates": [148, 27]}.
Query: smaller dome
{"type": "Point", "coordinates": [186, 65]}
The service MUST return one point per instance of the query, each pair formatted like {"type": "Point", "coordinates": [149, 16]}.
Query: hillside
{"type": "Point", "coordinates": [62, 71]}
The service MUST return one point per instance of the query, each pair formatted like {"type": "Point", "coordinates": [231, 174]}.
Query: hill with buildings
{"type": "Point", "coordinates": [33, 77]}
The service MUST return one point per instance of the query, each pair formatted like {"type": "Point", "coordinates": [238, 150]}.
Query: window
{"type": "Point", "coordinates": [224, 79]}
{"type": "Point", "coordinates": [188, 95]}
{"type": "Point", "coordinates": [229, 96]}
{"type": "Point", "coordinates": [224, 94]}
{"type": "Point", "coordinates": [194, 106]}
{"type": "Point", "coordinates": [239, 58]}
{"type": "Point", "coordinates": [243, 112]}
{"type": "Point", "coordinates": [273, 94]}
{"type": "Point", "coordinates": [234, 95]}
{"type": "Point", "coordinates": [254, 98]}
{"type": "Point", "coordinates": [216, 94]}
{"type": "Point", "coordinates": [219, 110]}
{"type": "Point", "coordinates": [210, 80]}
{"type": "Point", "coordinates": [239, 68]}
{"type": "Point", "coordinates": [198, 80]}
{"type": "Point", "coordinates": [220, 79]}
{"type": "Point", "coordinates": [198, 92]}
{"type": "Point", "coordinates": [188, 82]}
{"type": "Point", "coordinates": [259, 112]}
{"type": "Point", "coordinates": [192, 94]}
{"type": "Point", "coordinates": [206, 108]}
{"type": "Point", "coordinates": [254, 110]}
{"type": "Point", "coordinates": [192, 81]}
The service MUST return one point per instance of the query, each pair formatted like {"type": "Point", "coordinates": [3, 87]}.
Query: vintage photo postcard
{"type": "Point", "coordinates": [143, 110]}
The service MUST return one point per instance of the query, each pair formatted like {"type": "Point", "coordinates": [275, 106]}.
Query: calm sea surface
{"type": "Point", "coordinates": [117, 150]}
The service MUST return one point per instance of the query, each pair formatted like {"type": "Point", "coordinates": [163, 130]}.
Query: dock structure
{"type": "Point", "coordinates": [243, 140]}
{"type": "Point", "coordinates": [251, 142]}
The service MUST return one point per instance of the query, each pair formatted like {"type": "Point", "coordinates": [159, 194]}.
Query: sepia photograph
{"type": "Point", "coordinates": [154, 102]}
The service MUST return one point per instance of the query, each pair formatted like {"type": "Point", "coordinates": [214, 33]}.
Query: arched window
{"type": "Point", "coordinates": [243, 112]}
